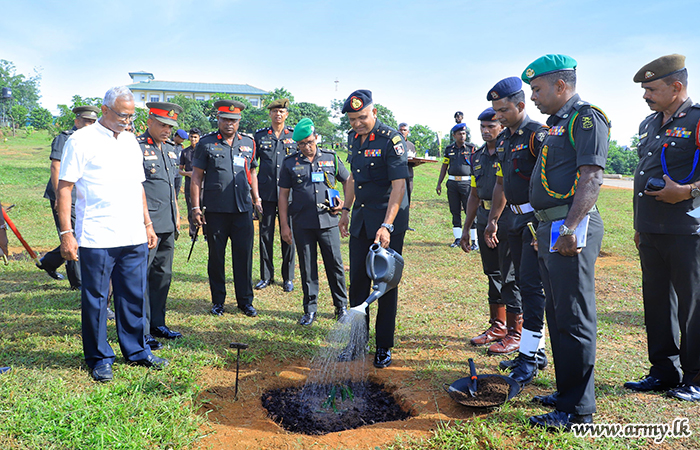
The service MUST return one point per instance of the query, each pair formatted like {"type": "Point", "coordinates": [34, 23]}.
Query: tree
{"type": "Point", "coordinates": [193, 114]}
{"type": "Point", "coordinates": [66, 117]}
{"type": "Point", "coordinates": [621, 160]}
{"type": "Point", "coordinates": [41, 118]}
{"type": "Point", "coordinates": [18, 114]}
{"type": "Point", "coordinates": [25, 90]}
{"type": "Point", "coordinates": [384, 115]}
{"type": "Point", "coordinates": [424, 139]}
{"type": "Point", "coordinates": [319, 115]}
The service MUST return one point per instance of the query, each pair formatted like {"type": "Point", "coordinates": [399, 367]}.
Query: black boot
{"type": "Point", "coordinates": [525, 370]}
{"type": "Point", "coordinates": [541, 356]}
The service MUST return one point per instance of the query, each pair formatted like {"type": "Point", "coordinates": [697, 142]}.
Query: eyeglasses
{"type": "Point", "coordinates": [305, 144]}
{"type": "Point", "coordinates": [124, 116]}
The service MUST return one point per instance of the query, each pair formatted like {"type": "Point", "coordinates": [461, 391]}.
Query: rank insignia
{"type": "Point", "coordinates": [642, 136]}
{"type": "Point", "coordinates": [356, 103]}
{"type": "Point", "coordinates": [398, 148]}
{"type": "Point", "coordinates": [370, 153]}
{"type": "Point", "coordinates": [556, 131]}
{"type": "Point", "coordinates": [477, 167]}
{"type": "Point", "coordinates": [150, 141]}
{"type": "Point", "coordinates": [396, 139]}
{"type": "Point", "coordinates": [587, 122]}
{"type": "Point", "coordinates": [218, 136]}
{"type": "Point", "coordinates": [145, 153]}
{"type": "Point", "coordinates": [648, 74]}
{"type": "Point", "coordinates": [678, 132]}
{"type": "Point", "coordinates": [153, 170]}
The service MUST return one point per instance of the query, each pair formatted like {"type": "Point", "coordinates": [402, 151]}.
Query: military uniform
{"type": "Point", "coordinates": [186, 161]}
{"type": "Point", "coordinates": [459, 173]}
{"type": "Point", "coordinates": [271, 153]}
{"type": "Point", "coordinates": [669, 245]}
{"type": "Point", "coordinates": [568, 281]}
{"type": "Point", "coordinates": [517, 153]}
{"type": "Point", "coordinates": [314, 225]}
{"type": "Point", "coordinates": [497, 262]}
{"type": "Point", "coordinates": [178, 177]}
{"type": "Point", "coordinates": [229, 207]}
{"type": "Point", "coordinates": [52, 260]}
{"type": "Point", "coordinates": [160, 167]}
{"type": "Point", "coordinates": [374, 164]}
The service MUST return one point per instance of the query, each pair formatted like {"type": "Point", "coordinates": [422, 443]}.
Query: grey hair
{"type": "Point", "coordinates": [117, 92]}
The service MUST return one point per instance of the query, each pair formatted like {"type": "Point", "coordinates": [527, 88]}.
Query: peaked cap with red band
{"type": "Point", "coordinates": [230, 109]}
{"type": "Point", "coordinates": [164, 112]}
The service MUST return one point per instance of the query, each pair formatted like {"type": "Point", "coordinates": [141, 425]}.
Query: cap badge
{"type": "Point", "coordinates": [648, 74]}
{"type": "Point", "coordinates": [494, 95]}
{"type": "Point", "coordinates": [231, 108]}
{"type": "Point", "coordinates": [356, 103]}
{"type": "Point", "coordinates": [529, 72]}
{"type": "Point", "coordinates": [171, 113]}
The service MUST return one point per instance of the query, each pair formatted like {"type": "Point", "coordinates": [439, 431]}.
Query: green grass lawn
{"type": "Point", "coordinates": [48, 400]}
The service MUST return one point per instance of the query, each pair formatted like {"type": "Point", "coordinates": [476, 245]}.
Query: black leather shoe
{"type": "Point", "coordinates": [382, 358]}
{"type": "Point", "coordinates": [152, 362]}
{"type": "Point", "coordinates": [262, 284]}
{"type": "Point", "coordinates": [75, 287]}
{"type": "Point", "coordinates": [102, 373]}
{"type": "Point", "coordinates": [248, 310]}
{"type": "Point", "coordinates": [52, 273]}
{"type": "Point", "coordinates": [341, 313]}
{"type": "Point", "coordinates": [288, 286]}
{"type": "Point", "coordinates": [559, 420]}
{"type": "Point", "coordinates": [547, 400]}
{"type": "Point", "coordinates": [307, 319]}
{"type": "Point", "coordinates": [455, 243]}
{"type": "Point", "coordinates": [525, 370]}
{"type": "Point", "coordinates": [152, 343]}
{"type": "Point", "coordinates": [650, 383]}
{"type": "Point", "coordinates": [541, 357]}
{"type": "Point", "coordinates": [217, 310]}
{"type": "Point", "coordinates": [165, 333]}
{"type": "Point", "coordinates": [688, 393]}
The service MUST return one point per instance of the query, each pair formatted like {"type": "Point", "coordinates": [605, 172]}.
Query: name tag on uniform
{"type": "Point", "coordinates": [149, 157]}
{"type": "Point", "coordinates": [317, 177]}
{"type": "Point", "coordinates": [172, 155]}
{"type": "Point", "coordinates": [238, 161]}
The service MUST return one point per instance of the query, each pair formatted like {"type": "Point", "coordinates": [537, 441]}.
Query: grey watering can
{"type": "Point", "coordinates": [384, 267]}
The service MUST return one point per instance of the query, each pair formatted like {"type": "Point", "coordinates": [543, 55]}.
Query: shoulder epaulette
{"type": "Point", "coordinates": [246, 135]}
{"type": "Point", "coordinates": [215, 132]}
{"type": "Point", "coordinates": [327, 150]}
{"type": "Point", "coordinates": [260, 130]}
{"type": "Point", "coordinates": [169, 141]}
{"type": "Point", "coordinates": [68, 132]}
{"type": "Point", "coordinates": [141, 138]}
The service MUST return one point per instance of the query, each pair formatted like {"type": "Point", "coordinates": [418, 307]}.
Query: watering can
{"type": "Point", "coordinates": [384, 267]}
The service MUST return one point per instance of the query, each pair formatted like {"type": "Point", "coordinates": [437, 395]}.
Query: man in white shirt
{"type": "Point", "coordinates": [113, 232]}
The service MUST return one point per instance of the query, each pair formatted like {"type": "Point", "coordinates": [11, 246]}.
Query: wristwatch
{"type": "Point", "coordinates": [389, 227]}
{"type": "Point", "coordinates": [566, 231]}
{"type": "Point", "coordinates": [694, 192]}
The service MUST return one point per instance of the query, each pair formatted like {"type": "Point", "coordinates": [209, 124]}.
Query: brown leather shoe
{"type": "Point", "coordinates": [497, 330]}
{"type": "Point", "coordinates": [510, 343]}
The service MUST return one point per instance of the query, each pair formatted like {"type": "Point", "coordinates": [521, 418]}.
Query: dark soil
{"type": "Point", "coordinates": [490, 391]}
{"type": "Point", "coordinates": [306, 409]}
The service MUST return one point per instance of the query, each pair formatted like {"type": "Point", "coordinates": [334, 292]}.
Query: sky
{"type": "Point", "coordinates": [423, 60]}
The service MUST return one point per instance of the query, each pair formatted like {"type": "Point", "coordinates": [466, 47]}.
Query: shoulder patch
{"type": "Point", "coordinates": [541, 134]}
{"type": "Point", "coordinates": [396, 139]}
{"type": "Point", "coordinates": [587, 122]}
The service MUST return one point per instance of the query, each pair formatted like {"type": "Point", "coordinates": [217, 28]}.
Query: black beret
{"type": "Point", "coordinates": [504, 88]}
{"type": "Point", "coordinates": [357, 101]}
{"type": "Point", "coordinates": [660, 67]}
{"type": "Point", "coordinates": [488, 114]}
{"type": "Point", "coordinates": [459, 113]}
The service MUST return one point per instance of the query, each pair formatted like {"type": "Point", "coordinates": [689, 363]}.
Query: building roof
{"type": "Point", "coordinates": [182, 86]}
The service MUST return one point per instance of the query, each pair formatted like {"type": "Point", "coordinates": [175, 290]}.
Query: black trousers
{"type": "Point", "coordinates": [328, 241]}
{"type": "Point", "coordinates": [239, 228]}
{"type": "Point", "coordinates": [188, 200]}
{"type": "Point", "coordinates": [361, 285]}
{"type": "Point", "coordinates": [497, 261]}
{"type": "Point", "coordinates": [53, 259]}
{"type": "Point", "coordinates": [267, 235]}
{"type": "Point", "coordinates": [177, 185]}
{"type": "Point", "coordinates": [527, 271]}
{"type": "Point", "coordinates": [569, 283]}
{"type": "Point", "coordinates": [671, 289]}
{"type": "Point", "coordinates": [160, 274]}
{"type": "Point", "coordinates": [457, 196]}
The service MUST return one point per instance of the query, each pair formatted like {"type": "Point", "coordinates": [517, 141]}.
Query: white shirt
{"type": "Point", "coordinates": [107, 173]}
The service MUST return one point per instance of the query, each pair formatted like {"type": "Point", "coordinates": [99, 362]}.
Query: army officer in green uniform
{"type": "Point", "coordinates": [310, 173]}
{"type": "Point", "coordinates": [225, 161]}
{"type": "Point", "coordinates": [377, 193]}
{"type": "Point", "coordinates": [160, 166]}
{"type": "Point", "coordinates": [563, 191]}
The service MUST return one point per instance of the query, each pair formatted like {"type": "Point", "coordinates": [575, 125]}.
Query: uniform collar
{"type": "Point", "coordinates": [519, 131]}
{"type": "Point", "coordinates": [565, 111]}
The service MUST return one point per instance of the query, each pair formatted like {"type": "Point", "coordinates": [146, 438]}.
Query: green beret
{"type": "Point", "coordinates": [304, 129]}
{"type": "Point", "coordinates": [548, 64]}
{"type": "Point", "coordinates": [279, 103]}
{"type": "Point", "coordinates": [660, 67]}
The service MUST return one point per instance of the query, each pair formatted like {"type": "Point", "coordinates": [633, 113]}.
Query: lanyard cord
{"type": "Point", "coordinates": [545, 184]}
{"type": "Point", "coordinates": [665, 168]}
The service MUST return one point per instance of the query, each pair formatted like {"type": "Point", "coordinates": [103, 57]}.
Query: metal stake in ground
{"type": "Point", "coordinates": [238, 346]}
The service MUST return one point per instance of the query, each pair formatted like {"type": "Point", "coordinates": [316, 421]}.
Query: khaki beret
{"type": "Point", "coordinates": [279, 103]}
{"type": "Point", "coordinates": [660, 67]}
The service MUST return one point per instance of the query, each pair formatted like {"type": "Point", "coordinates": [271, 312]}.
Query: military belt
{"type": "Point", "coordinates": [459, 177]}
{"type": "Point", "coordinates": [556, 213]}
{"type": "Point", "coordinates": [486, 204]}
{"type": "Point", "coordinates": [522, 209]}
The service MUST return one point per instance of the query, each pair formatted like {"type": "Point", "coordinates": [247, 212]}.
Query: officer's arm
{"type": "Point", "coordinates": [443, 172]}
{"type": "Point", "coordinates": [498, 201]}
{"type": "Point", "coordinates": [257, 201]}
{"type": "Point", "coordinates": [283, 205]}
{"type": "Point", "coordinates": [55, 169]}
{"type": "Point", "coordinates": [586, 194]}
{"type": "Point", "coordinates": [398, 189]}
{"type": "Point", "coordinates": [472, 207]}
{"type": "Point", "coordinates": [349, 195]}
{"type": "Point", "coordinates": [69, 246]}
{"type": "Point", "coordinates": [148, 223]}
